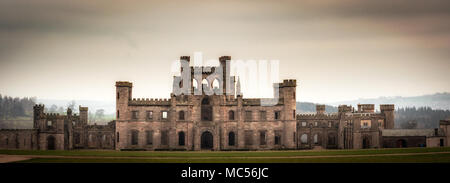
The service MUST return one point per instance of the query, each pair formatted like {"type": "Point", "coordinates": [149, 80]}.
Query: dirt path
{"type": "Point", "coordinates": [13, 158]}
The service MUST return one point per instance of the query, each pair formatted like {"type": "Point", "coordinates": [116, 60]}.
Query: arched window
{"type": "Point", "coordinates": [216, 84]}
{"type": "Point", "coordinates": [134, 137]}
{"type": "Point", "coordinates": [205, 82]}
{"type": "Point", "coordinates": [181, 138]}
{"type": "Point", "coordinates": [231, 115]}
{"type": "Point", "coordinates": [316, 139]}
{"type": "Point", "coordinates": [205, 101]}
{"type": "Point", "coordinates": [231, 139]}
{"type": "Point", "coordinates": [304, 139]}
{"type": "Point", "coordinates": [194, 84]}
{"type": "Point", "coordinates": [206, 111]}
{"type": "Point", "coordinates": [181, 115]}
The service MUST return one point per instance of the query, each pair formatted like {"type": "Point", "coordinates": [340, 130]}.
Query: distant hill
{"type": "Point", "coordinates": [435, 101]}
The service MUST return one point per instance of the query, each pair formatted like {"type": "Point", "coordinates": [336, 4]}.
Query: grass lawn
{"type": "Point", "coordinates": [432, 158]}
{"type": "Point", "coordinates": [297, 156]}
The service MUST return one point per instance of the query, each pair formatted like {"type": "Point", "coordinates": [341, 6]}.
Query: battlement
{"type": "Point", "coordinates": [39, 106]}
{"type": "Point", "coordinates": [185, 58]}
{"type": "Point", "coordinates": [345, 108]}
{"type": "Point", "coordinates": [287, 83]}
{"type": "Point", "coordinates": [224, 58]}
{"type": "Point", "coordinates": [387, 107]}
{"type": "Point", "coordinates": [257, 101]}
{"type": "Point", "coordinates": [320, 109]}
{"type": "Point", "coordinates": [83, 108]}
{"type": "Point", "coordinates": [203, 69]}
{"type": "Point", "coordinates": [366, 108]}
{"type": "Point", "coordinates": [316, 116]}
{"type": "Point", "coordinates": [124, 84]}
{"type": "Point", "coordinates": [53, 116]}
{"type": "Point", "coordinates": [147, 101]}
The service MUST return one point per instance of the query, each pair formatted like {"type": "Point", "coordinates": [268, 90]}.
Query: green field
{"type": "Point", "coordinates": [305, 156]}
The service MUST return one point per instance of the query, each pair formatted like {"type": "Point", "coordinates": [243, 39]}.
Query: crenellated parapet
{"type": "Point", "coordinates": [52, 116]}
{"type": "Point", "coordinates": [124, 84]}
{"type": "Point", "coordinates": [149, 102]}
{"type": "Point", "coordinates": [288, 83]}
{"type": "Point", "coordinates": [317, 116]}
{"type": "Point", "coordinates": [259, 101]}
{"type": "Point", "coordinates": [387, 107]}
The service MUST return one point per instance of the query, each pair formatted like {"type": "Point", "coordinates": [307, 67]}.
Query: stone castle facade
{"type": "Point", "coordinates": [214, 115]}
{"type": "Point", "coordinates": [59, 132]}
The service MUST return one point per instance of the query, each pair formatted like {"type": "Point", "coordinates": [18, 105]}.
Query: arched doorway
{"type": "Point", "coordinates": [50, 143]}
{"type": "Point", "coordinates": [401, 143]}
{"type": "Point", "coordinates": [366, 143]}
{"type": "Point", "coordinates": [206, 112]}
{"type": "Point", "coordinates": [207, 140]}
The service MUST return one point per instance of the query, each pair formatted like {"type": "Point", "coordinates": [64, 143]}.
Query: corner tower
{"type": "Point", "coordinates": [287, 93]}
{"type": "Point", "coordinates": [123, 96]}
{"type": "Point", "coordinates": [388, 111]}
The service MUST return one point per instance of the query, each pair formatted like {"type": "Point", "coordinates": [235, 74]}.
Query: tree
{"type": "Point", "coordinates": [60, 110]}
{"type": "Point", "coordinates": [412, 124]}
{"type": "Point", "coordinates": [71, 105]}
{"type": "Point", "coordinates": [53, 109]}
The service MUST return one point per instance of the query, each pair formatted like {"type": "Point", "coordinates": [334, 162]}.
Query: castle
{"type": "Point", "coordinates": [204, 116]}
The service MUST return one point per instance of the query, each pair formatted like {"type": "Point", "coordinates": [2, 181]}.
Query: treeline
{"type": "Point", "coordinates": [12, 108]}
{"type": "Point", "coordinates": [422, 117]}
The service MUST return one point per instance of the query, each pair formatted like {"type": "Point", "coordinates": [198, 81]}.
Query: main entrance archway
{"type": "Point", "coordinates": [207, 140]}
{"type": "Point", "coordinates": [50, 143]}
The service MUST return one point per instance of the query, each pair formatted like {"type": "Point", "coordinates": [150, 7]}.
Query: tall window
{"type": "Point", "coordinates": [149, 115]}
{"type": "Point", "coordinates": [117, 137]}
{"type": "Point", "coordinates": [303, 123]}
{"type": "Point", "coordinates": [134, 114]}
{"type": "Point", "coordinates": [262, 138]}
{"type": "Point", "coordinates": [277, 137]}
{"type": "Point", "coordinates": [304, 139]}
{"type": "Point", "coordinates": [164, 137]}
{"type": "Point", "coordinates": [77, 138]}
{"type": "Point", "coordinates": [277, 115]}
{"type": "Point", "coordinates": [181, 115]}
{"type": "Point", "coordinates": [316, 139]}
{"type": "Point", "coordinates": [149, 135]}
{"type": "Point", "coordinates": [262, 115]}
{"type": "Point", "coordinates": [206, 110]}
{"type": "Point", "coordinates": [231, 115]}
{"type": "Point", "coordinates": [164, 115]}
{"type": "Point", "coordinates": [248, 137]}
{"type": "Point", "coordinates": [118, 114]}
{"type": "Point", "coordinates": [134, 137]}
{"type": "Point", "coordinates": [231, 139]}
{"type": "Point", "coordinates": [248, 115]}
{"type": "Point", "coordinates": [181, 138]}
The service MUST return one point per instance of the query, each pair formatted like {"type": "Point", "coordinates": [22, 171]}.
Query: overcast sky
{"type": "Point", "coordinates": [337, 50]}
